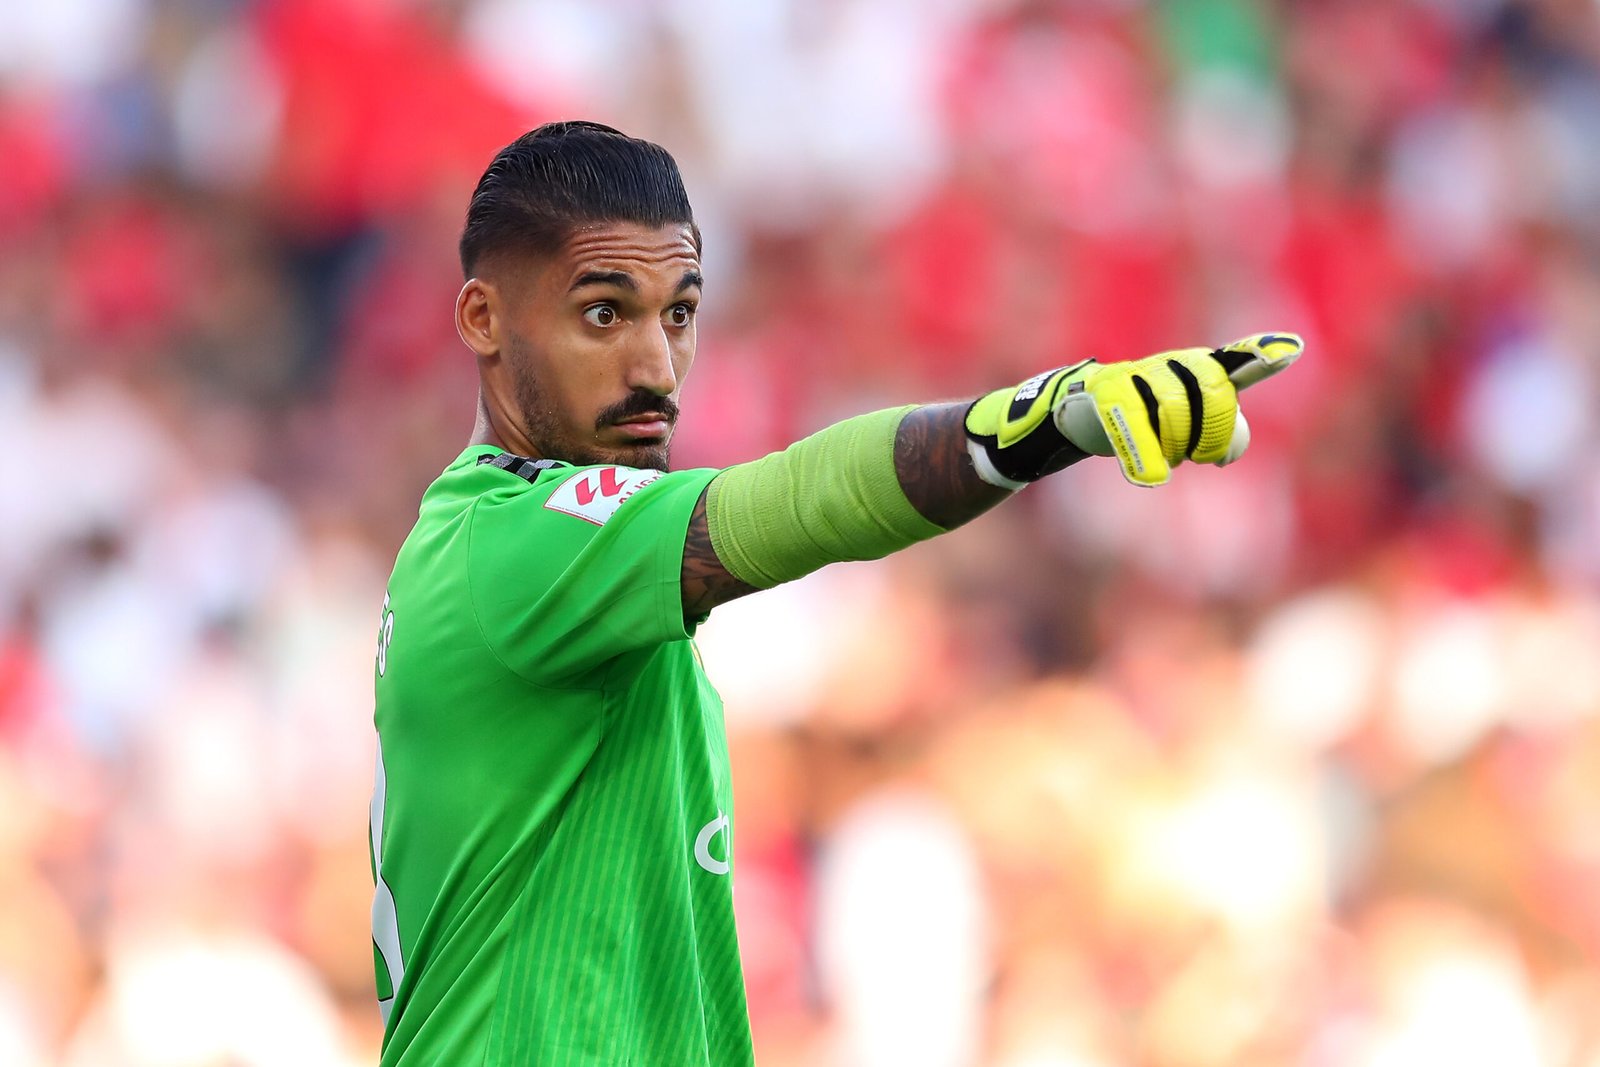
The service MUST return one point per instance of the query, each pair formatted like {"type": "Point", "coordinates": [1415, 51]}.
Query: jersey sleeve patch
{"type": "Point", "coordinates": [595, 495]}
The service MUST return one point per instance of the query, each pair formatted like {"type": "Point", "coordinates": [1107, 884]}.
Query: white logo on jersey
{"type": "Point", "coordinates": [385, 635]}
{"type": "Point", "coordinates": [702, 845]}
{"type": "Point", "coordinates": [595, 495]}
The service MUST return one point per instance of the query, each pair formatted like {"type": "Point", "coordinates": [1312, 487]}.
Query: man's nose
{"type": "Point", "coordinates": [651, 368]}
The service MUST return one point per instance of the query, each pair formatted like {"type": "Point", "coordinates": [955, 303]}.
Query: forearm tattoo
{"type": "Point", "coordinates": [930, 458]}
{"type": "Point", "coordinates": [706, 582]}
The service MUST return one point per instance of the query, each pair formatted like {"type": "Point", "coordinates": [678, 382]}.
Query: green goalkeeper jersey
{"type": "Point", "coordinates": [552, 830]}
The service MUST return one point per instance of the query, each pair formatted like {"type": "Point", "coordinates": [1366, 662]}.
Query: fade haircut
{"type": "Point", "coordinates": [555, 178]}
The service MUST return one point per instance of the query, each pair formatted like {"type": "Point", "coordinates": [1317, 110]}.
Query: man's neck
{"type": "Point", "coordinates": [487, 430]}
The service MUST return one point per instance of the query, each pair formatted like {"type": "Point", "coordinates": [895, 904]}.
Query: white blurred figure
{"type": "Point", "coordinates": [1233, 131]}
{"type": "Point", "coordinates": [40, 509]}
{"type": "Point", "coordinates": [773, 657]}
{"type": "Point", "coordinates": [876, 137]}
{"type": "Point", "coordinates": [177, 997]}
{"type": "Point", "coordinates": [1561, 631]}
{"type": "Point", "coordinates": [1313, 674]}
{"type": "Point", "coordinates": [1451, 683]}
{"type": "Point", "coordinates": [202, 773]}
{"type": "Point", "coordinates": [323, 623]}
{"type": "Point", "coordinates": [110, 635]}
{"type": "Point", "coordinates": [573, 50]}
{"type": "Point", "coordinates": [220, 547]}
{"type": "Point", "coordinates": [1450, 990]}
{"type": "Point", "coordinates": [171, 546]}
{"type": "Point", "coordinates": [226, 107]}
{"type": "Point", "coordinates": [902, 934]}
{"type": "Point", "coordinates": [1530, 381]}
{"type": "Point", "coordinates": [1312, 669]}
{"type": "Point", "coordinates": [808, 103]}
{"type": "Point", "coordinates": [1449, 189]}
{"type": "Point", "coordinates": [70, 43]}
{"type": "Point", "coordinates": [1232, 134]}
{"type": "Point", "coordinates": [21, 1044]}
{"type": "Point", "coordinates": [114, 642]}
{"type": "Point", "coordinates": [1242, 844]}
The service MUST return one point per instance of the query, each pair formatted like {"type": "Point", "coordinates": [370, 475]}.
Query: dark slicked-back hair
{"type": "Point", "coordinates": [553, 179]}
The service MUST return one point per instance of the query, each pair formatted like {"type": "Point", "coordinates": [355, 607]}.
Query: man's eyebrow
{"type": "Point", "coordinates": [621, 279]}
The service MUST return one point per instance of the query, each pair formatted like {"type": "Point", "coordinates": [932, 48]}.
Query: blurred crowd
{"type": "Point", "coordinates": [1291, 765]}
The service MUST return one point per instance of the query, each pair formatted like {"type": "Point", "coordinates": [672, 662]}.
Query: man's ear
{"type": "Point", "coordinates": [478, 317]}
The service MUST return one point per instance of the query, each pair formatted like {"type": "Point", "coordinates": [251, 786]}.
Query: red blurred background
{"type": "Point", "coordinates": [1292, 764]}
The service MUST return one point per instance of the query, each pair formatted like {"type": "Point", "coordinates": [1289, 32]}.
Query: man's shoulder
{"type": "Point", "coordinates": [579, 499]}
{"type": "Point", "coordinates": [529, 470]}
{"type": "Point", "coordinates": [483, 475]}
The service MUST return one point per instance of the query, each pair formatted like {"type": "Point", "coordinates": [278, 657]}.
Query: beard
{"type": "Point", "coordinates": [542, 424]}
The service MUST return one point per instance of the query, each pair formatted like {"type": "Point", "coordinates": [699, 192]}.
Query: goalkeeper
{"type": "Point", "coordinates": [552, 825]}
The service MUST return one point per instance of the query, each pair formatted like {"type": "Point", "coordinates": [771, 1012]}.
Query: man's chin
{"type": "Point", "coordinates": [647, 455]}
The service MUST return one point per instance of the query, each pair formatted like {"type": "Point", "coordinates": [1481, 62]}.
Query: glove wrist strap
{"type": "Point", "coordinates": [1012, 434]}
{"type": "Point", "coordinates": [986, 468]}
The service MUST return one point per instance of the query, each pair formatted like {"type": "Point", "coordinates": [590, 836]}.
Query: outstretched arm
{"type": "Point", "coordinates": [935, 473]}
{"type": "Point", "coordinates": [878, 483]}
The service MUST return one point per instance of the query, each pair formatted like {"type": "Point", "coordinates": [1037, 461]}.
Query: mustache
{"type": "Point", "coordinates": [639, 402]}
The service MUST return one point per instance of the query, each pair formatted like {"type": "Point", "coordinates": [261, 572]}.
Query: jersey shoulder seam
{"type": "Point", "coordinates": [528, 470]}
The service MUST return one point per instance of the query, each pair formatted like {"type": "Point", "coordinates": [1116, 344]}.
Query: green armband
{"type": "Point", "coordinates": [832, 497]}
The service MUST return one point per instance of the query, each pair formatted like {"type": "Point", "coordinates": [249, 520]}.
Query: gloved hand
{"type": "Point", "coordinates": [1151, 413]}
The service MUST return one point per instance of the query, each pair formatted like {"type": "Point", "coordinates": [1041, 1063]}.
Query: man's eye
{"type": "Point", "coordinates": [600, 315]}
{"type": "Point", "coordinates": [680, 314]}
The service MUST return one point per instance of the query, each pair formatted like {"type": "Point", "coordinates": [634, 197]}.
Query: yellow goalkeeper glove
{"type": "Point", "coordinates": [1151, 413]}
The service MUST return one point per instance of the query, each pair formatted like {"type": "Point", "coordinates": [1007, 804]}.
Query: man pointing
{"type": "Point", "coordinates": [552, 824]}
